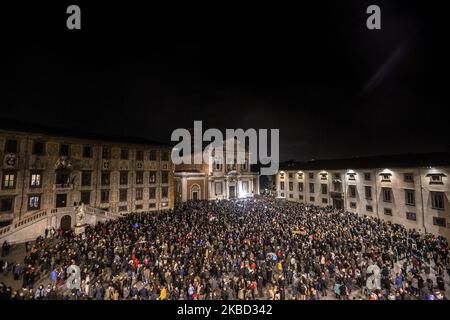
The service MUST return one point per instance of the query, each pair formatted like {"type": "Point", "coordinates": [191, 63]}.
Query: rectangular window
{"type": "Point", "coordinates": [411, 216]}
{"type": "Point", "coordinates": [11, 146]}
{"type": "Point", "coordinates": [105, 178]}
{"type": "Point", "coordinates": [7, 204]}
{"type": "Point", "coordinates": [437, 200]}
{"type": "Point", "coordinates": [369, 208]}
{"type": "Point", "coordinates": [312, 199]}
{"type": "Point", "coordinates": [300, 186]}
{"type": "Point", "coordinates": [139, 155]}
{"type": "Point", "coordinates": [410, 197]}
{"type": "Point", "coordinates": [311, 175]}
{"type": "Point", "coordinates": [152, 156]}
{"type": "Point", "coordinates": [104, 196]}
{"type": "Point", "coordinates": [164, 176]}
{"type": "Point", "coordinates": [38, 148]}
{"type": "Point", "coordinates": [368, 192]}
{"type": "Point", "coordinates": [291, 196]}
{"type": "Point", "coordinates": [124, 154]}
{"type": "Point", "coordinates": [387, 194]}
{"type": "Point", "coordinates": [87, 152]}
{"type": "Point", "coordinates": [139, 206]}
{"type": "Point", "coordinates": [106, 152]}
{"type": "Point", "coordinates": [86, 177]}
{"type": "Point", "coordinates": [282, 185]}
{"type": "Point", "coordinates": [152, 205]}
{"type": "Point", "coordinates": [352, 191]}
{"type": "Point", "coordinates": [164, 156]}
{"type": "Point", "coordinates": [311, 188]}
{"type": "Point", "coordinates": [408, 177]}
{"type": "Point", "coordinates": [139, 177]}
{"type": "Point", "coordinates": [385, 177]}
{"type": "Point", "coordinates": [388, 211]}
{"type": "Point", "coordinates": [64, 150]}
{"type": "Point", "coordinates": [324, 200]}
{"type": "Point", "coordinates": [164, 192]}
{"type": "Point", "coordinates": [62, 179]}
{"type": "Point", "coordinates": [353, 205]}
{"type": "Point", "coordinates": [291, 186]}
{"type": "Point", "coordinates": [440, 222]}
{"type": "Point", "coordinates": [34, 202]}
{"type": "Point", "coordinates": [123, 195]}
{"type": "Point", "coordinates": [324, 188]}
{"type": "Point", "coordinates": [9, 180]}
{"type": "Point", "coordinates": [367, 176]}
{"type": "Point", "coordinates": [139, 194]}
{"type": "Point", "coordinates": [300, 197]}
{"type": "Point", "coordinates": [85, 197]}
{"type": "Point", "coordinates": [123, 208]}
{"type": "Point", "coordinates": [152, 193]}
{"type": "Point", "coordinates": [123, 178]}
{"type": "Point", "coordinates": [436, 179]}
{"type": "Point", "coordinates": [152, 177]}
{"type": "Point", "coordinates": [291, 175]}
{"type": "Point", "coordinates": [35, 179]}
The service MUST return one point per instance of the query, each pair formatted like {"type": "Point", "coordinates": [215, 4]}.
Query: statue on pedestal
{"type": "Point", "coordinates": [80, 222]}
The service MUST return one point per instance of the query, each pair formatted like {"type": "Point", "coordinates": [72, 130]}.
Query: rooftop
{"type": "Point", "coordinates": [17, 126]}
{"type": "Point", "coordinates": [379, 161]}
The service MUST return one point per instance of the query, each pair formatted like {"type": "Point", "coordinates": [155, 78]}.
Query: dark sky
{"type": "Point", "coordinates": [332, 87]}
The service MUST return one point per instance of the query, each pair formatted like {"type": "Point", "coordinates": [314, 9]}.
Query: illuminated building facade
{"type": "Point", "coordinates": [411, 190]}
{"type": "Point", "coordinates": [215, 181]}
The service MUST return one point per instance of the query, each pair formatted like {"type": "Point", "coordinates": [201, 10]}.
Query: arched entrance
{"type": "Point", "coordinates": [195, 192]}
{"type": "Point", "coordinates": [66, 222]}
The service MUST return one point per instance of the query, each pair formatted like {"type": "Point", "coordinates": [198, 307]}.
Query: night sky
{"type": "Point", "coordinates": [332, 87]}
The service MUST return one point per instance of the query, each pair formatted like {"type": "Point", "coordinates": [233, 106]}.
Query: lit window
{"type": "Point", "coordinates": [34, 202]}
{"type": "Point", "coordinates": [9, 180]}
{"type": "Point", "coordinates": [35, 179]}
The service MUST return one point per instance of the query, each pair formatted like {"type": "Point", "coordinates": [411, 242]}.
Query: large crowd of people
{"type": "Point", "coordinates": [234, 249]}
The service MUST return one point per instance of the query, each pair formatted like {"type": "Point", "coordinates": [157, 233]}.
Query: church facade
{"type": "Point", "coordinates": [214, 180]}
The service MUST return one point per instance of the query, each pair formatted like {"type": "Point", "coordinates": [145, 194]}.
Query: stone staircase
{"type": "Point", "coordinates": [33, 224]}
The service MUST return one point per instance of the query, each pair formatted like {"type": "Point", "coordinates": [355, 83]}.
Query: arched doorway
{"type": "Point", "coordinates": [66, 222]}
{"type": "Point", "coordinates": [195, 192]}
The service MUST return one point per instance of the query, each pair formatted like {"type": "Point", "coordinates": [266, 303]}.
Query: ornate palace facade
{"type": "Point", "coordinates": [45, 169]}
